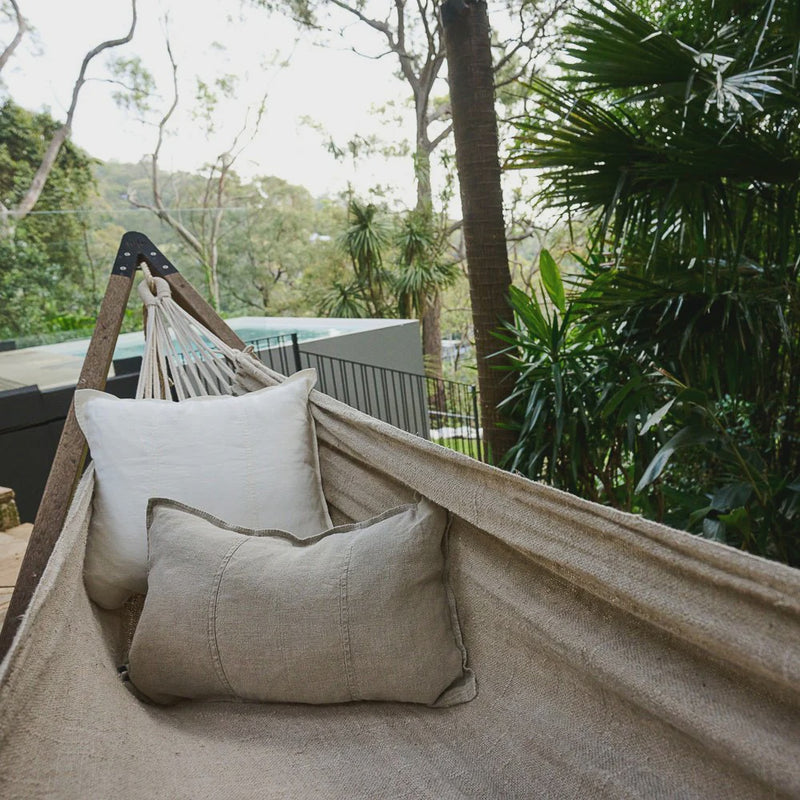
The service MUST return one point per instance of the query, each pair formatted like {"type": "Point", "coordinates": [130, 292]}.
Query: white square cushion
{"type": "Point", "coordinates": [251, 459]}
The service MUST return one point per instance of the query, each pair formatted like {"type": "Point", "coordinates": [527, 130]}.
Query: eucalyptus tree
{"type": "Point", "coordinates": [27, 200]}
{"type": "Point", "coordinates": [201, 234]}
{"type": "Point", "coordinates": [411, 33]}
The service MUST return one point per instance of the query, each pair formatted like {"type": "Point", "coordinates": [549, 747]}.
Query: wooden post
{"type": "Point", "coordinates": [69, 458]}
{"type": "Point", "coordinates": [71, 453]}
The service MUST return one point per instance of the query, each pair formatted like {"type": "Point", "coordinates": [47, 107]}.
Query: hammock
{"type": "Point", "coordinates": [615, 657]}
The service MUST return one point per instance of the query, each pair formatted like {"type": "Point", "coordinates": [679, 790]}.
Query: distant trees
{"type": "Point", "coordinates": [43, 284]}
{"type": "Point", "coordinates": [394, 261]}
{"type": "Point", "coordinates": [411, 34]}
{"type": "Point", "coordinates": [276, 244]}
{"type": "Point", "coordinates": [25, 200]}
{"type": "Point", "coordinates": [201, 234]}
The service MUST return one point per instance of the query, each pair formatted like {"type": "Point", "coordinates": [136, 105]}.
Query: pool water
{"type": "Point", "coordinates": [249, 329]}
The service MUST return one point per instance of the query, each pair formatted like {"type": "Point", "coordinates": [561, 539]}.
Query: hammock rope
{"type": "Point", "coordinates": [180, 353]}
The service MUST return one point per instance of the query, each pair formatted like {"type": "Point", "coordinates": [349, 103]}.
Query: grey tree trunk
{"type": "Point", "coordinates": [469, 63]}
{"type": "Point", "coordinates": [431, 312]}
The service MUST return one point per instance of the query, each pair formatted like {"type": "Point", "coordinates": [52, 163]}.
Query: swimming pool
{"type": "Point", "coordinates": [249, 329]}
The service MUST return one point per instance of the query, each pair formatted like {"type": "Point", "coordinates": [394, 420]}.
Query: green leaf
{"type": "Point", "coordinates": [616, 399]}
{"type": "Point", "coordinates": [686, 437]}
{"type": "Point", "coordinates": [551, 280]}
{"type": "Point", "coordinates": [739, 520]}
{"type": "Point", "coordinates": [714, 529]}
{"type": "Point", "coordinates": [699, 514]}
{"type": "Point", "coordinates": [656, 417]}
{"type": "Point", "coordinates": [691, 395]}
{"type": "Point", "coordinates": [731, 496]}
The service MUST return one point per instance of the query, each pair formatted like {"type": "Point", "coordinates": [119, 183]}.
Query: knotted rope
{"type": "Point", "coordinates": [179, 352]}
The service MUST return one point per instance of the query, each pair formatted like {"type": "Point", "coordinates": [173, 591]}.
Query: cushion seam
{"type": "Point", "coordinates": [213, 644]}
{"type": "Point", "coordinates": [344, 627]}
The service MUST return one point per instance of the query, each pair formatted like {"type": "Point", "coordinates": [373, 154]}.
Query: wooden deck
{"type": "Point", "coordinates": [12, 547]}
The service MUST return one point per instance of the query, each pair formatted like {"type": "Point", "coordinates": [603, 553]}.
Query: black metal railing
{"type": "Point", "coordinates": [443, 411]}
{"type": "Point", "coordinates": [453, 416]}
{"type": "Point", "coordinates": [391, 395]}
{"type": "Point", "coordinates": [281, 352]}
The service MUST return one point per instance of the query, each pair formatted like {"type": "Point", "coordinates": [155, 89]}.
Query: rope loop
{"type": "Point", "coordinates": [182, 358]}
{"type": "Point", "coordinates": [153, 290]}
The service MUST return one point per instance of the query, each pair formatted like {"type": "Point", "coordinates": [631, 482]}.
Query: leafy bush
{"type": "Point", "coordinates": [675, 131]}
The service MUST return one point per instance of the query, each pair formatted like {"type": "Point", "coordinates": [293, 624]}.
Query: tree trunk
{"type": "Point", "coordinates": [432, 308]}
{"type": "Point", "coordinates": [469, 62]}
{"type": "Point", "coordinates": [432, 335]}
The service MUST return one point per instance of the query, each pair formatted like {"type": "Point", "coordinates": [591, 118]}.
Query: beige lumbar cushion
{"type": "Point", "coordinates": [359, 612]}
{"type": "Point", "coordinates": [251, 459]}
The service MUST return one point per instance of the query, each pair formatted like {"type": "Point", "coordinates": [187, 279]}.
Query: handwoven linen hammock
{"type": "Point", "coordinates": [615, 657]}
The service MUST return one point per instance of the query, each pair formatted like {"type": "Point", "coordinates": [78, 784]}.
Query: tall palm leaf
{"type": "Point", "coordinates": [676, 131]}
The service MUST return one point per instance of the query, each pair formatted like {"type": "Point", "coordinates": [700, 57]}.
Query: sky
{"type": "Point", "coordinates": [332, 86]}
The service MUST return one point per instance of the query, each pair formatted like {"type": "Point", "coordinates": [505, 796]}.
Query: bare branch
{"type": "Point", "coordinates": [431, 35]}
{"type": "Point", "coordinates": [442, 136]}
{"type": "Point", "coordinates": [455, 226]}
{"type": "Point", "coordinates": [162, 125]}
{"type": "Point", "coordinates": [371, 57]}
{"type": "Point", "coordinates": [406, 60]}
{"type": "Point", "coordinates": [59, 137]}
{"type": "Point", "coordinates": [373, 23]}
{"type": "Point", "coordinates": [158, 207]}
{"type": "Point", "coordinates": [21, 28]}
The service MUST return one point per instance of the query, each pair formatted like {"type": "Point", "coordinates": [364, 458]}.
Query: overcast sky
{"type": "Point", "coordinates": [331, 85]}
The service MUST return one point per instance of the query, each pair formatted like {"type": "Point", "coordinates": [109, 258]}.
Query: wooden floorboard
{"type": "Point", "coordinates": [12, 547]}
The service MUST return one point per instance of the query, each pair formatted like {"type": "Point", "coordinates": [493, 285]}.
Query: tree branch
{"type": "Point", "coordinates": [21, 28]}
{"type": "Point", "coordinates": [30, 198]}
{"type": "Point", "coordinates": [373, 23]}
{"type": "Point", "coordinates": [441, 137]}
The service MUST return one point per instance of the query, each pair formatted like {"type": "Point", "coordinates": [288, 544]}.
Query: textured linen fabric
{"type": "Point", "coordinates": [252, 460]}
{"type": "Point", "coordinates": [617, 658]}
{"type": "Point", "coordinates": [359, 612]}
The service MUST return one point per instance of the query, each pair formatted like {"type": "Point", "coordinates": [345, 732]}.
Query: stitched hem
{"type": "Point", "coordinates": [213, 644]}
{"type": "Point", "coordinates": [344, 628]}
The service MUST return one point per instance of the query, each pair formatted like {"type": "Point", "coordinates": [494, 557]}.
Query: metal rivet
{"type": "Point", "coordinates": [152, 254]}
{"type": "Point", "coordinates": [123, 269]}
{"type": "Point", "coordinates": [126, 254]}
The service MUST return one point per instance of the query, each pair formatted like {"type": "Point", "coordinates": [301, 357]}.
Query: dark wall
{"type": "Point", "coordinates": [30, 427]}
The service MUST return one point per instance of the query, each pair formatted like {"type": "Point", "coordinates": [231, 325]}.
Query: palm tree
{"type": "Point", "coordinates": [677, 134]}
{"type": "Point", "coordinates": [364, 241]}
{"type": "Point", "coordinates": [469, 63]}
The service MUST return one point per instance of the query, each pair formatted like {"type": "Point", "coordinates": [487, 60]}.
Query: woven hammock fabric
{"type": "Point", "coordinates": [615, 658]}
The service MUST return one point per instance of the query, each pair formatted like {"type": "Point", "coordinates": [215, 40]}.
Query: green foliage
{"type": "Point", "coordinates": [422, 269]}
{"type": "Point", "coordinates": [578, 402]}
{"type": "Point", "coordinates": [42, 266]}
{"type": "Point", "coordinates": [374, 239]}
{"type": "Point", "coordinates": [364, 242]}
{"type": "Point", "coordinates": [675, 131]}
{"type": "Point", "coordinates": [752, 505]}
{"type": "Point", "coordinates": [137, 86]}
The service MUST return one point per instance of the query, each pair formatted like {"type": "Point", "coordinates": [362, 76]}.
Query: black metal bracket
{"type": "Point", "coordinates": [134, 248]}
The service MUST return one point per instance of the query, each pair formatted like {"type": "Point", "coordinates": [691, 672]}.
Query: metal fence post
{"type": "Point", "coordinates": [474, 394]}
{"type": "Point", "coordinates": [296, 353]}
